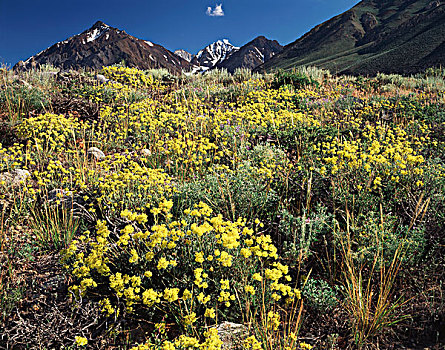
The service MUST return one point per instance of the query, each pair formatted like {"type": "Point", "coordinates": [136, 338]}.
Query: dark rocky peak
{"type": "Point", "coordinates": [103, 45]}
{"type": "Point", "coordinates": [99, 24]}
{"type": "Point", "coordinates": [252, 54]}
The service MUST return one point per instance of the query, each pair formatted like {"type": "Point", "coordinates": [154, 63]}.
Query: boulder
{"type": "Point", "coordinates": [15, 177]}
{"type": "Point", "coordinates": [96, 153]}
{"type": "Point", "coordinates": [232, 335]}
{"type": "Point", "coordinates": [101, 78]}
{"type": "Point", "coordinates": [146, 152]}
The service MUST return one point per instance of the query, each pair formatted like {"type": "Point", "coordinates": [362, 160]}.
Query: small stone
{"type": "Point", "coordinates": [232, 335]}
{"type": "Point", "coordinates": [50, 74]}
{"type": "Point", "coordinates": [15, 177]}
{"type": "Point", "coordinates": [101, 78]}
{"type": "Point", "coordinates": [59, 195]}
{"type": "Point", "coordinates": [96, 153]}
{"type": "Point", "coordinates": [146, 152]}
{"type": "Point", "coordinates": [21, 174]}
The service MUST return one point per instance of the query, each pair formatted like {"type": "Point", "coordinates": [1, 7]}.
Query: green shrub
{"type": "Point", "coordinates": [320, 295]}
{"type": "Point", "coordinates": [238, 193]}
{"type": "Point", "coordinates": [298, 234]}
{"type": "Point", "coordinates": [296, 79]}
{"type": "Point", "coordinates": [376, 236]}
{"type": "Point", "coordinates": [18, 100]}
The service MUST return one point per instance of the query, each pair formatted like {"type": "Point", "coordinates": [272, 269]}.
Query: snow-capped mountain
{"type": "Point", "coordinates": [214, 54]}
{"type": "Point", "coordinates": [184, 54]}
{"type": "Point", "coordinates": [252, 54]}
{"type": "Point", "coordinates": [103, 45]}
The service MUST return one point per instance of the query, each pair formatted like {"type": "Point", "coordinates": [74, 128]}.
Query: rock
{"type": "Point", "coordinates": [15, 177]}
{"type": "Point", "coordinates": [60, 195]}
{"type": "Point", "coordinates": [101, 78]}
{"type": "Point", "coordinates": [146, 152]}
{"type": "Point", "coordinates": [96, 153]}
{"type": "Point", "coordinates": [21, 174]}
{"type": "Point", "coordinates": [232, 335]}
{"type": "Point", "coordinates": [432, 5]}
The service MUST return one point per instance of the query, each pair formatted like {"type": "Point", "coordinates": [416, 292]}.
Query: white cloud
{"type": "Point", "coordinates": [216, 12]}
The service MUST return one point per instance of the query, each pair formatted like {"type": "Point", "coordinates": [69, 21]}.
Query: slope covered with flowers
{"type": "Point", "coordinates": [249, 199]}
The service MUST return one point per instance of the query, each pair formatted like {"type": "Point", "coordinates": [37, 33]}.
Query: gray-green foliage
{"type": "Point", "coordinates": [218, 75]}
{"type": "Point", "coordinates": [263, 153]}
{"type": "Point", "coordinates": [314, 73]}
{"type": "Point", "coordinates": [160, 74]}
{"type": "Point", "coordinates": [18, 98]}
{"type": "Point", "coordinates": [373, 236]}
{"type": "Point", "coordinates": [299, 233]}
{"type": "Point", "coordinates": [238, 193]}
{"type": "Point", "coordinates": [430, 80]}
{"type": "Point", "coordinates": [319, 294]}
{"type": "Point", "coordinates": [245, 74]}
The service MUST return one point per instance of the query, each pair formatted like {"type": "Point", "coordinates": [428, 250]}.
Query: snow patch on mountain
{"type": "Point", "coordinates": [97, 32]}
{"type": "Point", "coordinates": [184, 54]}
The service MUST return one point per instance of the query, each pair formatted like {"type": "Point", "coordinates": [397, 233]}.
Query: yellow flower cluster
{"type": "Point", "coordinates": [213, 244]}
{"type": "Point", "coordinates": [49, 132]}
{"type": "Point", "coordinates": [146, 252]}
{"type": "Point", "coordinates": [383, 152]}
{"type": "Point", "coordinates": [129, 76]}
{"type": "Point", "coordinates": [211, 341]}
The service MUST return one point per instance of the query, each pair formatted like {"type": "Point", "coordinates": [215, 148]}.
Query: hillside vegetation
{"type": "Point", "coordinates": [391, 36]}
{"type": "Point", "coordinates": [147, 211]}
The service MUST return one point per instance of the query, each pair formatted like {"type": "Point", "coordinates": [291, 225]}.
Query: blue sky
{"type": "Point", "coordinates": [27, 27]}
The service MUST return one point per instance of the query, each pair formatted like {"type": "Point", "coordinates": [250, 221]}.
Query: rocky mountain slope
{"type": "Point", "coordinates": [184, 54]}
{"type": "Point", "coordinates": [390, 36]}
{"type": "Point", "coordinates": [251, 55]}
{"type": "Point", "coordinates": [102, 45]}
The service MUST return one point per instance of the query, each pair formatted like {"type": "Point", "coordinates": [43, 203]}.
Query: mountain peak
{"type": "Point", "coordinates": [184, 54]}
{"type": "Point", "coordinates": [260, 38]}
{"type": "Point", "coordinates": [96, 31]}
{"type": "Point", "coordinates": [214, 54]}
{"type": "Point", "coordinates": [102, 45]}
{"type": "Point", "coordinates": [252, 54]}
{"type": "Point", "coordinates": [224, 41]}
{"type": "Point", "coordinates": [100, 24]}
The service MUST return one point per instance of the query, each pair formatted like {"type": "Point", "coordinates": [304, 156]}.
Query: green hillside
{"type": "Point", "coordinates": [374, 36]}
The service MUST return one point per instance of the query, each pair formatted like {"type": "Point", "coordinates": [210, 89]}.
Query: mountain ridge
{"type": "Point", "coordinates": [391, 36]}
{"type": "Point", "coordinates": [252, 54]}
{"type": "Point", "coordinates": [213, 54]}
{"type": "Point", "coordinates": [103, 45]}
{"type": "Point", "coordinates": [388, 36]}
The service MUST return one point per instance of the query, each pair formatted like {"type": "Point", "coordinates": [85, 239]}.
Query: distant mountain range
{"type": "Point", "coordinates": [103, 45]}
{"type": "Point", "coordinates": [222, 54]}
{"type": "Point", "coordinates": [389, 36]}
